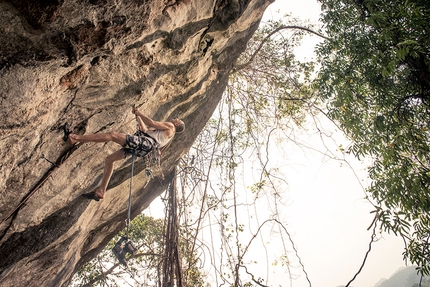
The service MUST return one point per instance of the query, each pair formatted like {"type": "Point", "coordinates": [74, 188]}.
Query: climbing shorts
{"type": "Point", "coordinates": [139, 143]}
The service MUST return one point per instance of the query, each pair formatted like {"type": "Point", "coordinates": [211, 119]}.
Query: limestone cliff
{"type": "Point", "coordinates": [86, 62]}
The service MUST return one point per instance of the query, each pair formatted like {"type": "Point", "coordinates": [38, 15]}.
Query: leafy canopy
{"type": "Point", "coordinates": [375, 82]}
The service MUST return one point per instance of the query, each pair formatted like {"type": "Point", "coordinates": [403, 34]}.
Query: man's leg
{"type": "Point", "coordinates": [107, 173]}
{"type": "Point", "coordinates": [102, 137]}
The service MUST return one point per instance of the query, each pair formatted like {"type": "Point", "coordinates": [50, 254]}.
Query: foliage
{"type": "Point", "coordinates": [269, 82]}
{"type": "Point", "coordinates": [375, 82]}
{"type": "Point", "coordinates": [144, 268]}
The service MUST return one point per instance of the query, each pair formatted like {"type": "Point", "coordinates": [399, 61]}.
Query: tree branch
{"type": "Point", "coordinates": [240, 67]}
{"type": "Point", "coordinates": [368, 251]}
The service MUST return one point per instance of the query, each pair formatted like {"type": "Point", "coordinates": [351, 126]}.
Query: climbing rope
{"type": "Point", "coordinates": [119, 250]}
{"type": "Point", "coordinates": [133, 157]}
{"type": "Point", "coordinates": [127, 222]}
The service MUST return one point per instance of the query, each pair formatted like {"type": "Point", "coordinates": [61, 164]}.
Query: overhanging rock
{"type": "Point", "coordinates": [86, 63]}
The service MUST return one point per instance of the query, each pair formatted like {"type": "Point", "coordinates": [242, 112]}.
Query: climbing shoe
{"type": "Point", "coordinates": [91, 195]}
{"type": "Point", "coordinates": [67, 131]}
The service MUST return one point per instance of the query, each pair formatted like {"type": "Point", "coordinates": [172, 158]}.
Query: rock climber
{"type": "Point", "coordinates": [150, 132]}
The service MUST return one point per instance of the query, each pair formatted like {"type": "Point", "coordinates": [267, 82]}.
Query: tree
{"type": "Point", "coordinates": [147, 235]}
{"type": "Point", "coordinates": [144, 267]}
{"type": "Point", "coordinates": [265, 100]}
{"type": "Point", "coordinates": [375, 82]}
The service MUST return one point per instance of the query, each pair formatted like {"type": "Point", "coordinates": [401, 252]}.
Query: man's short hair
{"type": "Point", "coordinates": [180, 128]}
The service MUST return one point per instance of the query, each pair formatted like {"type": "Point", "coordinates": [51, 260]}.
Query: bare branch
{"type": "Point", "coordinates": [240, 67]}
{"type": "Point", "coordinates": [374, 223]}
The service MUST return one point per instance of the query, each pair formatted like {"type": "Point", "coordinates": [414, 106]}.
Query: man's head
{"type": "Point", "coordinates": [179, 125]}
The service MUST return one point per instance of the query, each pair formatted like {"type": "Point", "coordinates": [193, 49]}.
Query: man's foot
{"type": "Point", "coordinates": [67, 131]}
{"type": "Point", "coordinates": [93, 195]}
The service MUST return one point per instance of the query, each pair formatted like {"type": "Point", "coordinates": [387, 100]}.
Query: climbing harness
{"type": "Point", "coordinates": [146, 147]}
{"type": "Point", "coordinates": [151, 159]}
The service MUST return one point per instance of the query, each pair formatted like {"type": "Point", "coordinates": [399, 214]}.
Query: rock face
{"type": "Point", "coordinates": [86, 62]}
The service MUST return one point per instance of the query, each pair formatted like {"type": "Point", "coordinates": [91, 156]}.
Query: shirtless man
{"type": "Point", "coordinates": [140, 143]}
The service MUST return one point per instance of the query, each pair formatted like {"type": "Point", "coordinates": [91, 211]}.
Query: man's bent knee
{"type": "Point", "coordinates": [118, 155]}
{"type": "Point", "coordinates": [117, 137]}
{"type": "Point", "coordinates": [112, 134]}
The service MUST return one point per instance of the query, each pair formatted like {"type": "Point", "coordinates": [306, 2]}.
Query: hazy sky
{"type": "Point", "coordinates": [328, 217]}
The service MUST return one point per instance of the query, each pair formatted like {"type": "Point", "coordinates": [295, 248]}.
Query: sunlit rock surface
{"type": "Point", "coordinates": [86, 62]}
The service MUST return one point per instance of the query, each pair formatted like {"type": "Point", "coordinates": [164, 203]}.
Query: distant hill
{"type": "Point", "coordinates": [404, 277]}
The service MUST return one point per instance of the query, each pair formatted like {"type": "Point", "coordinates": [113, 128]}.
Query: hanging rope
{"type": "Point", "coordinates": [124, 246]}
{"type": "Point", "coordinates": [133, 156]}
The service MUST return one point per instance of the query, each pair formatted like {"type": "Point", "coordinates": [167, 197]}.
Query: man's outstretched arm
{"type": "Point", "coordinates": [148, 122]}
{"type": "Point", "coordinates": [141, 124]}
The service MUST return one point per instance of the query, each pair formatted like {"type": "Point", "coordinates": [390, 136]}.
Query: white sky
{"type": "Point", "coordinates": [326, 214]}
{"type": "Point", "coordinates": [328, 217]}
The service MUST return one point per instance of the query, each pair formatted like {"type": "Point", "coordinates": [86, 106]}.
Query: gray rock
{"type": "Point", "coordinates": [86, 63]}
